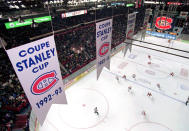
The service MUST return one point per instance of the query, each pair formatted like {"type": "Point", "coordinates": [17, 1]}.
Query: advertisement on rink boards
{"type": "Point", "coordinates": [130, 31]}
{"type": "Point", "coordinates": [37, 67]}
{"type": "Point", "coordinates": [103, 45]}
{"type": "Point", "coordinates": [162, 35]}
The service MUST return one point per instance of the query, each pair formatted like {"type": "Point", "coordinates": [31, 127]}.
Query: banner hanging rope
{"type": "Point", "coordinates": [2, 43]}
{"type": "Point", "coordinates": [51, 20]}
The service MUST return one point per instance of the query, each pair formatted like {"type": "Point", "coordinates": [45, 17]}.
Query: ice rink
{"type": "Point", "coordinates": [120, 110]}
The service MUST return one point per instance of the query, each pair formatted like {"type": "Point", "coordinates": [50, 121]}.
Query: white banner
{"type": "Point", "coordinates": [145, 23]}
{"type": "Point", "coordinates": [146, 18]}
{"type": "Point", "coordinates": [37, 67]}
{"type": "Point", "coordinates": [103, 45]}
{"type": "Point", "coordinates": [130, 30]}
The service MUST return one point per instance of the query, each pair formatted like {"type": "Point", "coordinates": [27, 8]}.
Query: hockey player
{"type": "Point", "coordinates": [117, 78]}
{"type": "Point", "coordinates": [149, 63]}
{"type": "Point", "coordinates": [169, 41]}
{"type": "Point", "coordinates": [158, 85]}
{"type": "Point", "coordinates": [143, 113]}
{"type": "Point", "coordinates": [96, 111]}
{"type": "Point", "coordinates": [124, 77]}
{"type": "Point", "coordinates": [172, 74]}
{"type": "Point", "coordinates": [149, 94]}
{"type": "Point", "coordinates": [129, 89]}
{"type": "Point", "coordinates": [134, 76]}
{"type": "Point", "coordinates": [187, 101]}
{"type": "Point", "coordinates": [149, 57]}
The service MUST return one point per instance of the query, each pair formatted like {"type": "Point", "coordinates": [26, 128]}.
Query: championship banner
{"type": "Point", "coordinates": [155, 15]}
{"type": "Point", "coordinates": [146, 18]}
{"type": "Point", "coordinates": [145, 24]}
{"type": "Point", "coordinates": [37, 67]}
{"type": "Point", "coordinates": [140, 3]}
{"type": "Point", "coordinates": [103, 45]}
{"type": "Point", "coordinates": [130, 31]}
{"type": "Point", "coordinates": [136, 3]}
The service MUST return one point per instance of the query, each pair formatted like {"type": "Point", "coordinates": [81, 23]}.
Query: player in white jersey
{"type": "Point", "coordinates": [134, 76]}
{"type": "Point", "coordinates": [129, 88]}
{"type": "Point", "coordinates": [117, 78]}
{"type": "Point", "coordinates": [187, 101]}
{"type": "Point", "coordinates": [159, 87]}
{"type": "Point", "coordinates": [96, 111]}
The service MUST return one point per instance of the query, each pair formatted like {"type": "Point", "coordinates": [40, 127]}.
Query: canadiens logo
{"type": "Point", "coordinates": [163, 23]}
{"type": "Point", "coordinates": [44, 83]}
{"type": "Point", "coordinates": [130, 34]}
{"type": "Point", "coordinates": [104, 49]}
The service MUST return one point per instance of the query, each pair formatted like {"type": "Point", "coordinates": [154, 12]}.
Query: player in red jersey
{"type": "Point", "coordinates": [172, 74]}
{"type": "Point", "coordinates": [143, 113]}
{"type": "Point", "coordinates": [124, 77]}
{"type": "Point", "coordinates": [149, 57]}
{"type": "Point", "coordinates": [169, 41]}
{"type": "Point", "coordinates": [149, 94]}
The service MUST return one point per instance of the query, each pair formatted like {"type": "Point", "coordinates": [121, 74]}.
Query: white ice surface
{"type": "Point", "coordinates": [120, 110]}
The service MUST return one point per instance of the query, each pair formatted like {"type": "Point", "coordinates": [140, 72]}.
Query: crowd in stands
{"type": "Point", "coordinates": [12, 97]}
{"type": "Point", "coordinates": [75, 47]}
{"type": "Point", "coordinates": [84, 36]}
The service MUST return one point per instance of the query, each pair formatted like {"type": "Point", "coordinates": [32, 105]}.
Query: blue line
{"type": "Point", "coordinates": [148, 88]}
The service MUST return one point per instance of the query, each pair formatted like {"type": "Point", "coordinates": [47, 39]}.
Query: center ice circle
{"type": "Point", "coordinates": [157, 69]}
{"type": "Point", "coordinates": [149, 126]}
{"type": "Point", "coordinates": [79, 117]}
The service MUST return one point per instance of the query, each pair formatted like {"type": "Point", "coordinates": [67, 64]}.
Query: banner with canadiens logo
{"type": "Point", "coordinates": [103, 45]}
{"type": "Point", "coordinates": [130, 31]}
{"type": "Point", "coordinates": [37, 67]}
{"type": "Point", "coordinates": [145, 24]}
